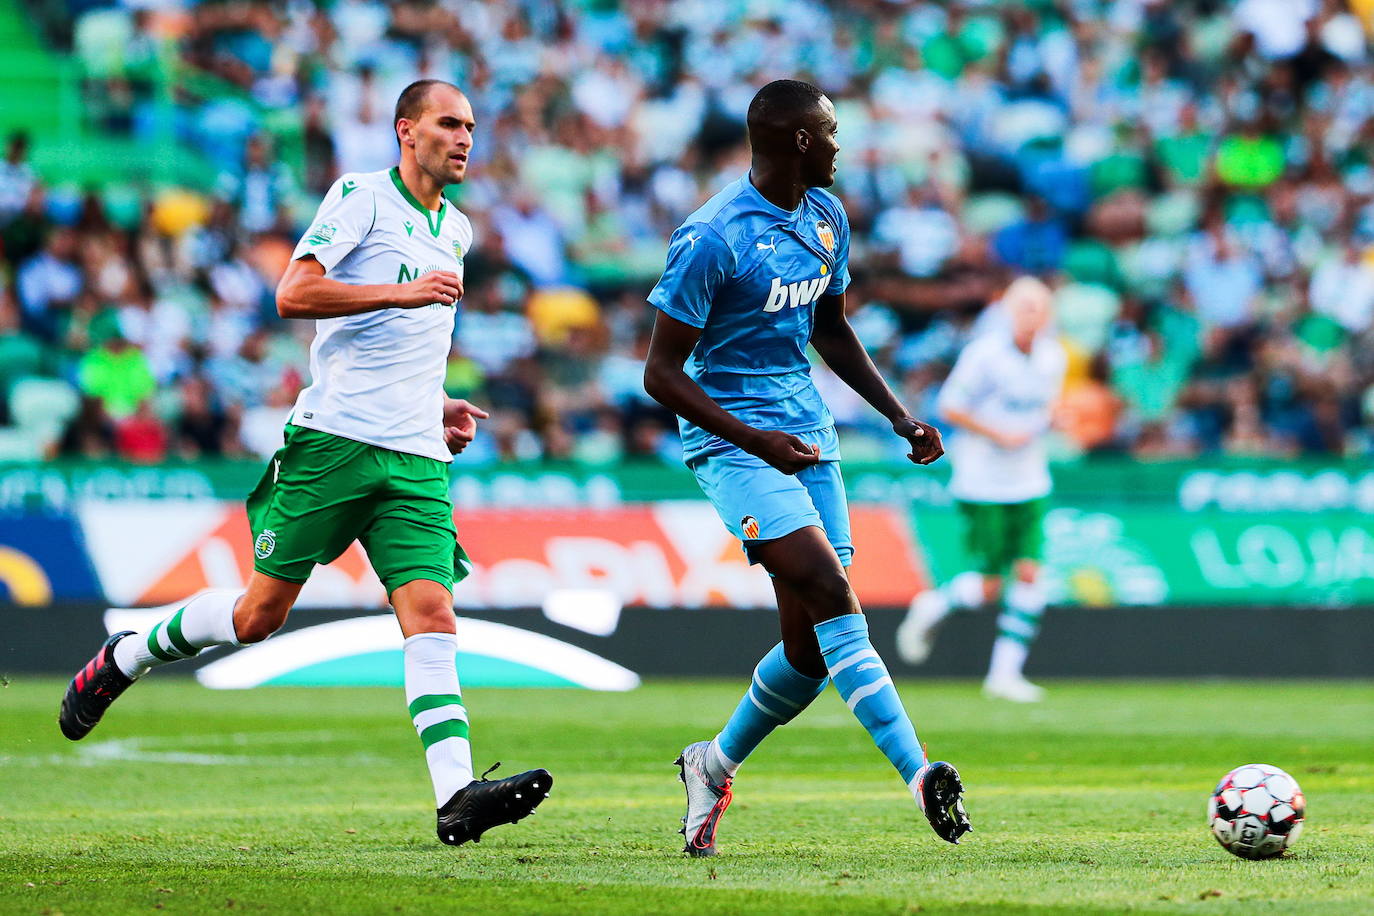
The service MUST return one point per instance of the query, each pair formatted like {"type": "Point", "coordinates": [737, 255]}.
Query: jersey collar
{"type": "Point", "coordinates": [434, 221]}
{"type": "Point", "coordinates": [767, 205]}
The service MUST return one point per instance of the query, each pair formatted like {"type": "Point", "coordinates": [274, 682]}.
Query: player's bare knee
{"type": "Point", "coordinates": [439, 620]}
{"type": "Point", "coordinates": [992, 589]}
{"type": "Point", "coordinates": [1026, 571]}
{"type": "Point", "coordinates": [828, 595]}
{"type": "Point", "coordinates": [257, 627]}
{"type": "Point", "coordinates": [254, 623]}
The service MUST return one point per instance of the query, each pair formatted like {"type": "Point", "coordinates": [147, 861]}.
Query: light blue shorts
{"type": "Point", "coordinates": [759, 503]}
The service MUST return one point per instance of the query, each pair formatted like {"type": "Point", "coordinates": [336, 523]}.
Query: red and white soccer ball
{"type": "Point", "coordinates": [1256, 811]}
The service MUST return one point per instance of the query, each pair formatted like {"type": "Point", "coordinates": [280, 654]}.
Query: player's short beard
{"type": "Point", "coordinates": [441, 171]}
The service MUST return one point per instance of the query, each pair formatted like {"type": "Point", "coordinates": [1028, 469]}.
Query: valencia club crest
{"type": "Point", "coordinates": [826, 234]}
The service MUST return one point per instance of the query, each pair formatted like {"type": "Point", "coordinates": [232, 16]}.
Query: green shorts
{"type": "Point", "coordinates": [998, 534]}
{"type": "Point", "coordinates": [322, 492]}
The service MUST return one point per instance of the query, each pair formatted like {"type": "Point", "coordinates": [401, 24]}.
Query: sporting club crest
{"type": "Point", "coordinates": [322, 234]}
{"type": "Point", "coordinates": [825, 234]}
{"type": "Point", "coordinates": [265, 544]}
{"type": "Point", "coordinates": [750, 526]}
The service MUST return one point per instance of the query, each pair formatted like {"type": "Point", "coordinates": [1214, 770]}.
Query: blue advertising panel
{"type": "Point", "coordinates": [43, 558]}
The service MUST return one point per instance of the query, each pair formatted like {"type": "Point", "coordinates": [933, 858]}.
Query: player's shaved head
{"type": "Point", "coordinates": [792, 131]}
{"type": "Point", "coordinates": [413, 99]}
{"type": "Point", "coordinates": [1030, 306]}
{"type": "Point", "coordinates": [782, 106]}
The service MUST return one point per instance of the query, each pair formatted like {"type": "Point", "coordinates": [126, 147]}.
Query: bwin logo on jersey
{"type": "Point", "coordinates": [803, 292]}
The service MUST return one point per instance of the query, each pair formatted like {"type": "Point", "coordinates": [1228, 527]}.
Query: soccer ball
{"type": "Point", "coordinates": [1256, 811]}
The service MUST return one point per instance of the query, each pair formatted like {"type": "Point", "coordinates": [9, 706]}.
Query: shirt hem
{"type": "Point", "coordinates": [321, 428]}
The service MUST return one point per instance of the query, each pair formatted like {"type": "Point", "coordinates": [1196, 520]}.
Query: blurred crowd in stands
{"type": "Point", "coordinates": [1195, 179]}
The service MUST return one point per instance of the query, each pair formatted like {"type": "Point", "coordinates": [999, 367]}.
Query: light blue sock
{"type": "Point", "coordinates": [778, 693]}
{"type": "Point", "coordinates": [866, 688]}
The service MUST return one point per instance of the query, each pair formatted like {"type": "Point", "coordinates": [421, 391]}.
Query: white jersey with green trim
{"type": "Point", "coordinates": [1007, 389]}
{"type": "Point", "coordinates": [378, 377]}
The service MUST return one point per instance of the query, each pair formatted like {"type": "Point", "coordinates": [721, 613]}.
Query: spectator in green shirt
{"type": "Point", "coordinates": [1151, 386]}
{"type": "Point", "coordinates": [116, 374]}
{"type": "Point", "coordinates": [1183, 155]}
{"type": "Point", "coordinates": [1250, 159]}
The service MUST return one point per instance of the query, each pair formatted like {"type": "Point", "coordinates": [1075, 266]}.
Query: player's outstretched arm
{"type": "Point", "coordinates": [664, 380]}
{"type": "Point", "coordinates": [305, 292]}
{"type": "Point", "coordinates": [836, 342]}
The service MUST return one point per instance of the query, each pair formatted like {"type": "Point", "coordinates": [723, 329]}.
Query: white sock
{"type": "Point", "coordinates": [1008, 658]}
{"type": "Point", "coordinates": [965, 590]}
{"type": "Point", "coordinates": [436, 708]}
{"type": "Point", "coordinates": [719, 767]}
{"type": "Point", "coordinates": [207, 619]}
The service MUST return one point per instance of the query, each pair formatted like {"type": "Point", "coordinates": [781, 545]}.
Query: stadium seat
{"type": "Point", "coordinates": [1085, 311]}
{"type": "Point", "coordinates": [40, 409]}
{"type": "Point", "coordinates": [100, 39]}
{"type": "Point", "coordinates": [984, 214]}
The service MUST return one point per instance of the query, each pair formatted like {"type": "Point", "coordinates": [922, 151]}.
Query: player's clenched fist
{"type": "Point", "coordinates": [442, 286]}
{"type": "Point", "coordinates": [785, 451]}
{"type": "Point", "coordinates": [926, 445]}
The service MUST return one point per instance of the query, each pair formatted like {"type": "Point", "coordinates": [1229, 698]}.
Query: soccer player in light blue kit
{"type": "Point", "coordinates": [752, 277]}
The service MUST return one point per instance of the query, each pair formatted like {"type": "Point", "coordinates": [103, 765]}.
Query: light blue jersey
{"type": "Point", "coordinates": [748, 273]}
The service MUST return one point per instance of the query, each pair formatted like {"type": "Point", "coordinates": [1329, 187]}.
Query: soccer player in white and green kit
{"type": "Point", "coordinates": [366, 455]}
{"type": "Point", "coordinates": [999, 399]}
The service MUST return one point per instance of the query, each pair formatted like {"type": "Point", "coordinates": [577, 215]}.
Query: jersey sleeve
{"type": "Point", "coordinates": [967, 383]}
{"type": "Point", "coordinates": [700, 263]}
{"type": "Point", "coordinates": [840, 281]}
{"type": "Point", "coordinates": [345, 216]}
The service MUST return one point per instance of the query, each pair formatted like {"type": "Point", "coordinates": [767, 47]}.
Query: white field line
{"type": "Point", "coordinates": [137, 750]}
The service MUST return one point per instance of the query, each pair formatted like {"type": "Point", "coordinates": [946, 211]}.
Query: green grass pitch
{"type": "Point", "coordinates": [283, 800]}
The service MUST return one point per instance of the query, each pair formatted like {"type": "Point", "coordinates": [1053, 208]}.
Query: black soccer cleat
{"type": "Point", "coordinates": [92, 691]}
{"type": "Point", "coordinates": [486, 803]}
{"type": "Point", "coordinates": [941, 794]}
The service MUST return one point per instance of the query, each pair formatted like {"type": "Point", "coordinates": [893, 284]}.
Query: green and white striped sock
{"type": "Point", "coordinates": [207, 619]}
{"type": "Point", "coordinates": [436, 708]}
{"type": "Point", "coordinates": [1017, 627]}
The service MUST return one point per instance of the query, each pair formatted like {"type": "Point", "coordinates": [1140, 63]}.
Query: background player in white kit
{"type": "Point", "coordinates": [366, 454]}
{"type": "Point", "coordinates": [998, 401]}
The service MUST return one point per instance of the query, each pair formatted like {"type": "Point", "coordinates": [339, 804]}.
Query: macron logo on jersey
{"type": "Point", "coordinates": [803, 292]}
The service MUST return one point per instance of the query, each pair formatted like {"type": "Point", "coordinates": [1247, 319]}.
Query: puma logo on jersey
{"type": "Point", "coordinates": [803, 292]}
{"type": "Point", "coordinates": [693, 239]}
{"type": "Point", "coordinates": [771, 246]}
